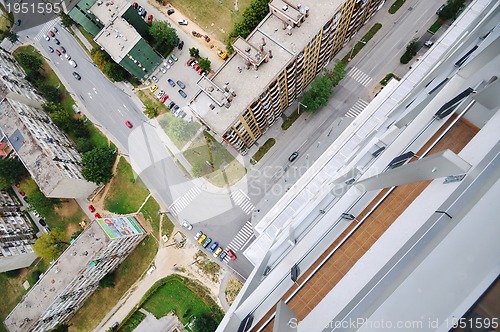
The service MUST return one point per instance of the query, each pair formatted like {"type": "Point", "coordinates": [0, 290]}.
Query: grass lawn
{"type": "Point", "coordinates": [134, 321]}
{"type": "Point", "coordinates": [104, 299]}
{"type": "Point", "coordinates": [174, 295]}
{"type": "Point", "coordinates": [211, 160]}
{"type": "Point", "coordinates": [126, 192]}
{"type": "Point", "coordinates": [263, 149]}
{"type": "Point", "coordinates": [150, 211]}
{"type": "Point", "coordinates": [290, 120]}
{"type": "Point", "coordinates": [167, 226]}
{"type": "Point", "coordinates": [216, 17]}
{"type": "Point", "coordinates": [11, 284]}
{"type": "Point", "coordinates": [64, 214]}
{"type": "Point", "coordinates": [6, 20]}
{"type": "Point", "coordinates": [395, 6]}
{"type": "Point", "coordinates": [435, 27]}
{"type": "Point", "coordinates": [148, 99]}
{"type": "Point", "coordinates": [178, 130]}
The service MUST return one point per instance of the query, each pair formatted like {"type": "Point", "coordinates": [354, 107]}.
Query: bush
{"type": "Point", "coordinates": [411, 51]}
{"type": "Point", "coordinates": [263, 149]}
{"type": "Point", "coordinates": [108, 281]}
{"type": "Point", "coordinates": [450, 11]}
{"type": "Point", "coordinates": [395, 6]}
{"type": "Point", "coordinates": [435, 27]}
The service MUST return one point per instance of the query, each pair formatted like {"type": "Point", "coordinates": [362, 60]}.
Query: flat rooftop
{"type": "Point", "coordinates": [248, 84]}
{"type": "Point", "coordinates": [107, 10]}
{"type": "Point", "coordinates": [118, 38]}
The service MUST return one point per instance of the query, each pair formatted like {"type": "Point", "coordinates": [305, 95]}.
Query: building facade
{"type": "Point", "coordinates": [46, 152]}
{"type": "Point", "coordinates": [119, 30]}
{"type": "Point", "coordinates": [274, 65]}
{"type": "Point", "coordinates": [75, 275]}
{"type": "Point", "coordinates": [16, 234]}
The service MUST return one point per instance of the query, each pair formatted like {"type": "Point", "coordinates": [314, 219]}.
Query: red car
{"type": "Point", "coordinates": [22, 193]}
{"type": "Point", "coordinates": [58, 52]}
{"type": "Point", "coordinates": [128, 124]}
{"type": "Point", "coordinates": [91, 208]}
{"type": "Point", "coordinates": [150, 18]}
{"type": "Point", "coordinates": [164, 98]}
{"type": "Point", "coordinates": [231, 254]}
{"type": "Point", "coordinates": [51, 33]}
{"type": "Point", "coordinates": [97, 215]}
{"type": "Point", "coordinates": [196, 67]}
{"type": "Point", "coordinates": [190, 61]}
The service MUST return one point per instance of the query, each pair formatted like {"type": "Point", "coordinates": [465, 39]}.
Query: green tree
{"type": "Point", "coordinates": [50, 92]}
{"type": "Point", "coordinates": [100, 58]}
{"type": "Point", "coordinates": [451, 9]}
{"type": "Point", "coordinates": [51, 245]}
{"type": "Point", "coordinates": [204, 64]}
{"type": "Point", "coordinates": [66, 20]}
{"type": "Point", "coordinates": [318, 94]}
{"type": "Point", "coordinates": [30, 62]}
{"type": "Point", "coordinates": [12, 36]}
{"type": "Point", "coordinates": [41, 203]}
{"type": "Point", "coordinates": [204, 323]}
{"type": "Point", "coordinates": [194, 52]}
{"type": "Point", "coordinates": [11, 172]}
{"type": "Point", "coordinates": [60, 328]}
{"type": "Point", "coordinates": [61, 118]}
{"type": "Point", "coordinates": [162, 32]}
{"type": "Point", "coordinates": [50, 107]}
{"type": "Point", "coordinates": [337, 74]}
{"type": "Point", "coordinates": [78, 128]}
{"type": "Point", "coordinates": [115, 72]}
{"type": "Point", "coordinates": [108, 281]}
{"type": "Point", "coordinates": [151, 111]}
{"type": "Point", "coordinates": [411, 51]}
{"type": "Point", "coordinates": [98, 164]}
{"type": "Point", "coordinates": [84, 145]}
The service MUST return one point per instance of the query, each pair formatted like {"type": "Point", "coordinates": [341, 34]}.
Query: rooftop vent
{"type": "Point", "coordinates": [211, 106]}
{"type": "Point", "coordinates": [285, 7]}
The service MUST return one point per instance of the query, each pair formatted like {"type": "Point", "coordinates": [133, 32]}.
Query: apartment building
{"type": "Point", "coordinates": [48, 155]}
{"type": "Point", "coordinates": [16, 234]}
{"type": "Point", "coordinates": [75, 275]}
{"type": "Point", "coordinates": [273, 66]}
{"type": "Point", "coordinates": [395, 225]}
{"type": "Point", "coordinates": [119, 30]}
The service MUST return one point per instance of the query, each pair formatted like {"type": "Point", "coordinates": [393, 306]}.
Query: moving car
{"type": "Point", "coordinates": [181, 84]}
{"type": "Point", "coordinates": [72, 63]}
{"type": "Point", "coordinates": [51, 50]}
{"type": "Point", "coordinates": [183, 94]}
{"type": "Point", "coordinates": [207, 242]}
{"type": "Point", "coordinates": [213, 246]}
{"type": "Point", "coordinates": [47, 38]}
{"type": "Point", "coordinates": [218, 252]}
{"type": "Point", "coordinates": [76, 75]}
{"type": "Point", "coordinates": [67, 56]}
{"type": "Point", "coordinates": [183, 22]}
{"type": "Point", "coordinates": [128, 124]}
{"type": "Point", "coordinates": [91, 208]}
{"type": "Point", "coordinates": [153, 88]}
{"type": "Point", "coordinates": [55, 29]}
{"type": "Point", "coordinates": [198, 235]}
{"type": "Point", "coordinates": [116, 324]}
{"type": "Point", "coordinates": [170, 12]}
{"type": "Point", "coordinates": [58, 52]}
{"type": "Point", "coordinates": [293, 156]}
{"type": "Point", "coordinates": [231, 254]}
{"type": "Point", "coordinates": [187, 225]}
{"type": "Point", "coordinates": [63, 49]}
{"type": "Point", "coordinates": [172, 84]}
{"type": "Point", "coordinates": [202, 238]}
{"type": "Point", "coordinates": [51, 33]}
{"type": "Point", "coordinates": [56, 41]}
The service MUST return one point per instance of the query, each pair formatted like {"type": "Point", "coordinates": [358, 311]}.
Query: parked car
{"type": "Point", "coordinates": [170, 12]}
{"type": "Point", "coordinates": [164, 98]}
{"type": "Point", "coordinates": [207, 242]}
{"type": "Point", "coordinates": [183, 22]}
{"type": "Point", "coordinates": [181, 45]}
{"type": "Point", "coordinates": [440, 9]}
{"type": "Point", "coordinates": [116, 324]}
{"type": "Point", "coordinates": [56, 41]}
{"type": "Point", "coordinates": [183, 94]}
{"type": "Point", "coordinates": [42, 222]}
{"type": "Point", "coordinates": [51, 50]}
{"type": "Point", "coordinates": [135, 5]}
{"type": "Point", "coordinates": [160, 94]}
{"type": "Point", "coordinates": [153, 88]}
{"type": "Point", "coordinates": [91, 208]}
{"type": "Point", "coordinates": [172, 84]}
{"type": "Point", "coordinates": [22, 193]}
{"type": "Point", "coordinates": [72, 63]}
{"type": "Point", "coordinates": [222, 255]}
{"type": "Point", "coordinates": [190, 61]}
{"type": "Point", "coordinates": [198, 235]}
{"type": "Point", "coordinates": [150, 18]}
{"type": "Point", "coordinates": [151, 269]}
{"type": "Point", "coordinates": [76, 75]}
{"type": "Point", "coordinates": [128, 124]}
{"type": "Point", "coordinates": [213, 246]}
{"type": "Point", "coordinates": [52, 34]}
{"type": "Point", "coordinates": [181, 84]}
{"type": "Point", "coordinates": [97, 215]}
{"type": "Point", "coordinates": [155, 79]}
{"type": "Point", "coordinates": [231, 254]}
{"type": "Point", "coordinates": [174, 108]}
{"type": "Point", "coordinates": [18, 22]}
{"type": "Point", "coordinates": [217, 252]}
{"type": "Point", "coordinates": [187, 225]}
{"type": "Point", "coordinates": [202, 238]}
{"type": "Point", "coordinates": [163, 69]}
{"type": "Point", "coordinates": [47, 38]}
{"type": "Point", "coordinates": [55, 29]}
{"type": "Point", "coordinates": [293, 156]}
{"type": "Point", "coordinates": [170, 62]}
{"type": "Point", "coordinates": [429, 43]}
{"type": "Point", "coordinates": [170, 105]}
{"type": "Point", "coordinates": [173, 57]}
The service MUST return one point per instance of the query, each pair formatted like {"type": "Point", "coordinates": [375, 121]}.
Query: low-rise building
{"type": "Point", "coordinates": [75, 275]}
{"type": "Point", "coordinates": [46, 152]}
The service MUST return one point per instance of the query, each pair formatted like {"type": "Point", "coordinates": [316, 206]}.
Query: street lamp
{"type": "Point", "coordinates": [350, 55]}
{"type": "Point", "coordinates": [298, 107]}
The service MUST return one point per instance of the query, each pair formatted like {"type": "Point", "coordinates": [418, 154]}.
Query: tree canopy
{"type": "Point", "coordinates": [11, 172]}
{"type": "Point", "coordinates": [194, 52]}
{"type": "Point", "coordinates": [162, 32]}
{"type": "Point", "coordinates": [98, 164]}
{"type": "Point", "coordinates": [204, 64]}
{"type": "Point", "coordinates": [204, 323]}
{"type": "Point", "coordinates": [31, 62]}
{"type": "Point", "coordinates": [51, 245]}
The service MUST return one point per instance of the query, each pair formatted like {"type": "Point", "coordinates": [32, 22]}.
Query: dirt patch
{"type": "Point", "coordinates": [71, 229]}
{"type": "Point", "coordinates": [67, 209]}
{"type": "Point", "coordinates": [232, 289]}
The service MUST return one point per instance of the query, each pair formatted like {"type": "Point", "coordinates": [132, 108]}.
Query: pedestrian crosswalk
{"type": "Point", "coordinates": [182, 202]}
{"type": "Point", "coordinates": [357, 108]}
{"type": "Point", "coordinates": [242, 201]}
{"type": "Point", "coordinates": [241, 239]}
{"type": "Point", "coordinates": [359, 76]}
{"type": "Point", "coordinates": [45, 28]}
